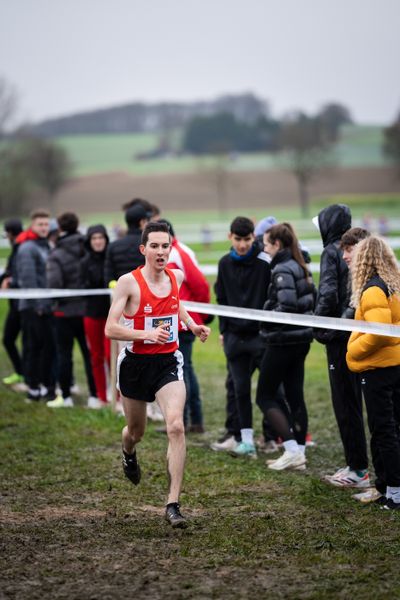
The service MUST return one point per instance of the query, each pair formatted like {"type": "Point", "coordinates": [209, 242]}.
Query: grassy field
{"type": "Point", "coordinates": [73, 527]}
{"type": "Point", "coordinates": [93, 154]}
{"type": "Point", "coordinates": [374, 205]}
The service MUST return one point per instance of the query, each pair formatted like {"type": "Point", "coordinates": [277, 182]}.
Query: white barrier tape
{"type": "Point", "coordinates": [213, 269]}
{"type": "Point", "coordinates": [293, 319]}
{"type": "Point", "coordinates": [37, 293]}
{"type": "Point", "coordinates": [229, 311]}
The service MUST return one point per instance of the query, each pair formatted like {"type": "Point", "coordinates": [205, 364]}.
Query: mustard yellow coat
{"type": "Point", "coordinates": [366, 351]}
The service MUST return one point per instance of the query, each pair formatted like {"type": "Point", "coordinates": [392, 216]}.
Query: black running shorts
{"type": "Point", "coordinates": [140, 376]}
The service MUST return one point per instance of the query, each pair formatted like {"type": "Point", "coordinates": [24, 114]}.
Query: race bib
{"type": "Point", "coordinates": [169, 322]}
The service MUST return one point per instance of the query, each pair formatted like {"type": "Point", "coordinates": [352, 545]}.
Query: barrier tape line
{"type": "Point", "coordinates": [228, 311]}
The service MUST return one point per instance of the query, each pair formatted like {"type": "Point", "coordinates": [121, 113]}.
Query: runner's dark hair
{"type": "Point", "coordinates": [153, 227]}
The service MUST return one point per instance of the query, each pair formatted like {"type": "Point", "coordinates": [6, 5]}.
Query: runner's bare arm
{"type": "Point", "coordinates": [200, 331]}
{"type": "Point", "coordinates": [125, 290]}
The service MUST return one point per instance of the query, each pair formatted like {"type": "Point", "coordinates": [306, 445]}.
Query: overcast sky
{"type": "Point", "coordinates": [69, 55]}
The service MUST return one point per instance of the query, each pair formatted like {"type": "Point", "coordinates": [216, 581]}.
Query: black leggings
{"type": "Point", "coordinates": [12, 328]}
{"type": "Point", "coordinates": [68, 329]}
{"type": "Point", "coordinates": [348, 406]}
{"type": "Point", "coordinates": [284, 365]}
{"type": "Point", "coordinates": [381, 388]}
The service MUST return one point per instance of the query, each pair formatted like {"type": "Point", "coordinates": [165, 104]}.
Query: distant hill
{"type": "Point", "coordinates": [141, 117]}
{"type": "Point", "coordinates": [358, 146]}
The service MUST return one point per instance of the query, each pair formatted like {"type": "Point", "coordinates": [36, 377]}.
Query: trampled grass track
{"type": "Point", "coordinates": [73, 527]}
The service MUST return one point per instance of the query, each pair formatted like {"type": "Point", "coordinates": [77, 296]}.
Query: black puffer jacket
{"type": "Point", "coordinates": [91, 275]}
{"type": "Point", "coordinates": [289, 291]}
{"type": "Point", "coordinates": [63, 272]}
{"type": "Point", "coordinates": [123, 255]}
{"type": "Point", "coordinates": [332, 299]}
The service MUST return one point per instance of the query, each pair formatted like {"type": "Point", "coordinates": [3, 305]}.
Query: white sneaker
{"type": "Point", "coordinates": [343, 472]}
{"type": "Point", "coordinates": [60, 402]}
{"type": "Point", "coordinates": [288, 460]}
{"type": "Point", "coordinates": [351, 479]}
{"type": "Point", "coordinates": [95, 403]}
{"type": "Point", "coordinates": [368, 496]}
{"type": "Point", "coordinates": [226, 446]}
{"type": "Point", "coordinates": [75, 389]}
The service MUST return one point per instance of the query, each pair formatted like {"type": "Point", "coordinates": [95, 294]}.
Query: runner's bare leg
{"type": "Point", "coordinates": [135, 415]}
{"type": "Point", "coordinates": [172, 398]}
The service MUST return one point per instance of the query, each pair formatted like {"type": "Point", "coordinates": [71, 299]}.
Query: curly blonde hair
{"type": "Point", "coordinates": [373, 256]}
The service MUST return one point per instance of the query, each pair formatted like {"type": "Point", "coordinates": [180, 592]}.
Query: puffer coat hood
{"type": "Point", "coordinates": [334, 221]}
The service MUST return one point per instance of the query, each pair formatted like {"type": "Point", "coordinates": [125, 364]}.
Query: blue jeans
{"type": "Point", "coordinates": [193, 401]}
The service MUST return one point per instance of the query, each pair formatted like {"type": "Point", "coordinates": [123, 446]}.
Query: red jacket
{"type": "Point", "coordinates": [195, 286]}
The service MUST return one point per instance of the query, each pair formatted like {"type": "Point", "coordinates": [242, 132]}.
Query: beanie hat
{"type": "Point", "coordinates": [264, 225]}
{"type": "Point", "coordinates": [13, 226]}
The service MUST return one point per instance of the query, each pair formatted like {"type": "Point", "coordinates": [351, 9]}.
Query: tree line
{"type": "Point", "coordinates": [29, 160]}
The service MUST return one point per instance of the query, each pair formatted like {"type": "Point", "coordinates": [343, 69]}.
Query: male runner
{"type": "Point", "coordinates": [150, 366]}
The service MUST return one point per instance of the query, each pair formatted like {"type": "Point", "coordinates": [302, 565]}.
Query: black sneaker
{"type": "Point", "coordinates": [131, 467]}
{"type": "Point", "coordinates": [32, 396]}
{"type": "Point", "coordinates": [174, 517]}
{"type": "Point", "coordinates": [391, 505]}
{"type": "Point", "coordinates": [381, 501]}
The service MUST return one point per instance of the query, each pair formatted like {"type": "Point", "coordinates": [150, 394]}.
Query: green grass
{"type": "Point", "coordinates": [359, 146]}
{"type": "Point", "coordinates": [73, 527]}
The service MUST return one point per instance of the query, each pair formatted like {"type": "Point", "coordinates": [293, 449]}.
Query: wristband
{"type": "Point", "coordinates": [189, 322]}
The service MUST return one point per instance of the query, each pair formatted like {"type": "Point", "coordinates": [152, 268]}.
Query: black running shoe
{"type": "Point", "coordinates": [33, 396]}
{"type": "Point", "coordinates": [131, 467]}
{"type": "Point", "coordinates": [391, 505]}
{"type": "Point", "coordinates": [174, 517]}
{"type": "Point", "coordinates": [381, 501]}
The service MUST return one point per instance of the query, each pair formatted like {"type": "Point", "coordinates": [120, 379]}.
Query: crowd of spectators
{"type": "Point", "coordinates": [266, 268]}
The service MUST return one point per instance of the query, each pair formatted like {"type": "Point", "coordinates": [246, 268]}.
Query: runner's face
{"type": "Point", "coordinates": [241, 244]}
{"type": "Point", "coordinates": [157, 250]}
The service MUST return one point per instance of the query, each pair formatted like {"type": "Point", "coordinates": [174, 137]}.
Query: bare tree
{"type": "Point", "coordinates": [215, 167]}
{"type": "Point", "coordinates": [15, 181]}
{"type": "Point", "coordinates": [49, 165]}
{"type": "Point", "coordinates": [391, 144]}
{"type": "Point", "coordinates": [13, 175]}
{"type": "Point", "coordinates": [307, 153]}
{"type": "Point", "coordinates": [8, 104]}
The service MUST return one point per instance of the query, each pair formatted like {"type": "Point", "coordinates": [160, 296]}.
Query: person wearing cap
{"type": "Point", "coordinates": [123, 255]}
{"type": "Point", "coordinates": [12, 325]}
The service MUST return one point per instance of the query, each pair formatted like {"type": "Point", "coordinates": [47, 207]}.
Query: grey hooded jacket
{"type": "Point", "coordinates": [30, 267]}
